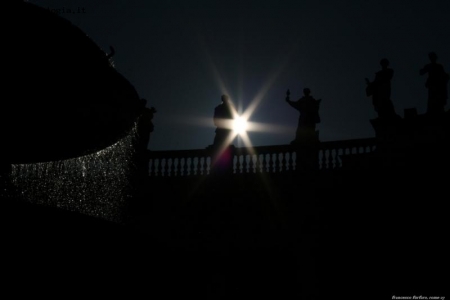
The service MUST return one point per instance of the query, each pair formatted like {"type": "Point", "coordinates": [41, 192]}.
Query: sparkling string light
{"type": "Point", "coordinates": [97, 184]}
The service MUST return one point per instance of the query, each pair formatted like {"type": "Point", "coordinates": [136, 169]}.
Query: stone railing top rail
{"type": "Point", "coordinates": [263, 149]}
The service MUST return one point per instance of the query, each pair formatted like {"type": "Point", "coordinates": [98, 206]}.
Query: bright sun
{"type": "Point", "coordinates": [240, 125]}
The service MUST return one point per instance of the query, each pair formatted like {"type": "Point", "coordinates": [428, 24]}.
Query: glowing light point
{"type": "Point", "coordinates": [240, 125]}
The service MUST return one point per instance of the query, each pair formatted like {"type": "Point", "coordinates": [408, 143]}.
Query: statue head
{"type": "Point", "coordinates": [306, 91]}
{"type": "Point", "coordinates": [225, 99]}
{"type": "Point", "coordinates": [384, 63]}
{"type": "Point", "coordinates": [433, 57]}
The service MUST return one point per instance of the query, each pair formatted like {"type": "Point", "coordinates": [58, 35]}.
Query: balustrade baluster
{"type": "Point", "coordinates": [290, 165]}
{"type": "Point", "coordinates": [334, 158]}
{"type": "Point", "coordinates": [233, 165]}
{"type": "Point", "coordinates": [169, 165]}
{"type": "Point", "coordinates": [338, 158]}
{"type": "Point", "coordinates": [283, 162]}
{"type": "Point", "coordinates": [195, 162]}
{"type": "Point", "coordinates": [153, 167]}
{"type": "Point", "coordinates": [339, 154]}
{"type": "Point", "coordinates": [164, 166]}
{"type": "Point", "coordinates": [150, 167]}
{"type": "Point", "coordinates": [175, 166]}
{"type": "Point", "coordinates": [201, 165]}
{"type": "Point", "coordinates": [276, 162]}
{"type": "Point", "coordinates": [327, 159]}
{"type": "Point", "coordinates": [206, 165]}
{"type": "Point", "coordinates": [182, 166]}
{"type": "Point", "coordinates": [191, 166]}
{"type": "Point", "coordinates": [238, 164]}
{"type": "Point", "coordinates": [252, 163]}
{"type": "Point", "coordinates": [294, 161]}
{"type": "Point", "coordinates": [194, 166]}
{"type": "Point", "coordinates": [322, 159]}
{"type": "Point", "coordinates": [331, 159]}
{"type": "Point", "coordinates": [273, 163]}
{"type": "Point", "coordinates": [264, 163]}
{"type": "Point", "coordinates": [158, 167]}
{"type": "Point", "coordinates": [186, 166]}
{"type": "Point", "coordinates": [258, 164]}
{"type": "Point", "coordinates": [245, 164]}
{"type": "Point", "coordinates": [197, 167]}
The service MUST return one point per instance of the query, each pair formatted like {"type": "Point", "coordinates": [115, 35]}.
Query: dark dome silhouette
{"type": "Point", "coordinates": [63, 99]}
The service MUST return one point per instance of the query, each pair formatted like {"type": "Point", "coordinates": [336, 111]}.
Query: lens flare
{"type": "Point", "coordinates": [240, 125]}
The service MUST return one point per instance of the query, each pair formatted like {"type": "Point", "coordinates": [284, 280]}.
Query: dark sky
{"type": "Point", "coordinates": [183, 55]}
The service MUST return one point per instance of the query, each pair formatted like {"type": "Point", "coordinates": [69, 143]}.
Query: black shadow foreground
{"type": "Point", "coordinates": [78, 217]}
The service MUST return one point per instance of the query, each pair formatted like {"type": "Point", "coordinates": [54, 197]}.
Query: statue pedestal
{"type": "Point", "coordinates": [306, 136]}
{"type": "Point", "coordinates": [307, 149]}
{"type": "Point", "coordinates": [222, 160]}
{"type": "Point", "coordinates": [415, 142]}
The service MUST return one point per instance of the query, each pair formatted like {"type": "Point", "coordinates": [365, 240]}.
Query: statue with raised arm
{"type": "Point", "coordinates": [380, 90]}
{"type": "Point", "coordinates": [436, 84]}
{"type": "Point", "coordinates": [309, 115]}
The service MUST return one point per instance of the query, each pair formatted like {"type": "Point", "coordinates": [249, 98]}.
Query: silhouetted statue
{"type": "Point", "coordinates": [111, 54]}
{"type": "Point", "coordinates": [222, 117]}
{"type": "Point", "coordinates": [144, 129]}
{"type": "Point", "coordinates": [145, 124]}
{"type": "Point", "coordinates": [309, 115]}
{"type": "Point", "coordinates": [436, 84]}
{"type": "Point", "coordinates": [380, 90]}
